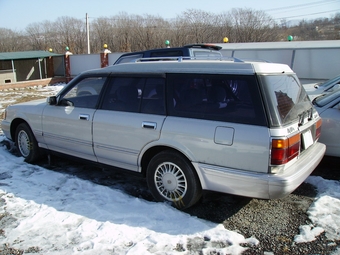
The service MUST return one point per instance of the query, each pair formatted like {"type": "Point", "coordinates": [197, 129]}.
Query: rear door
{"type": "Point", "coordinates": [218, 120]}
{"type": "Point", "coordinates": [130, 117]}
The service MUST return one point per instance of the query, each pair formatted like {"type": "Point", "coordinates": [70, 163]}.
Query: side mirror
{"type": "Point", "coordinates": [52, 100]}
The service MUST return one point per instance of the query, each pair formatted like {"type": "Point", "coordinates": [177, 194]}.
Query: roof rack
{"type": "Point", "coordinates": [181, 59]}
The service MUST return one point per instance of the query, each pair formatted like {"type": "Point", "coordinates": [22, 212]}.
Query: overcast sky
{"type": "Point", "coordinates": [17, 14]}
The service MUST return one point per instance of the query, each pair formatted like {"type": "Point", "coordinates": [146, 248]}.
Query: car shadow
{"type": "Point", "coordinates": [213, 206]}
{"type": "Point", "coordinates": [329, 168]}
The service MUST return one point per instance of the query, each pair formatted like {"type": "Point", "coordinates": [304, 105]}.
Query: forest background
{"type": "Point", "coordinates": [126, 32]}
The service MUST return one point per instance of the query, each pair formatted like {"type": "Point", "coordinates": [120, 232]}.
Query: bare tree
{"type": "Point", "coordinates": [223, 28]}
{"type": "Point", "coordinates": [102, 31]}
{"type": "Point", "coordinates": [252, 26]}
{"type": "Point", "coordinates": [10, 40]}
{"type": "Point", "coordinates": [197, 25]}
{"type": "Point", "coordinates": [41, 36]}
{"type": "Point", "coordinates": [123, 28]}
{"type": "Point", "coordinates": [148, 32]}
{"type": "Point", "coordinates": [125, 33]}
{"type": "Point", "coordinates": [71, 32]}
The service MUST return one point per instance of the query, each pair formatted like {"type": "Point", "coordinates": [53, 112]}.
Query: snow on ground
{"type": "Point", "coordinates": [58, 213]}
{"type": "Point", "coordinates": [62, 214]}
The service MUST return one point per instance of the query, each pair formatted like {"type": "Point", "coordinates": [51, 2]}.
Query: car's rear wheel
{"type": "Point", "coordinates": [26, 143]}
{"type": "Point", "coordinates": [171, 177]}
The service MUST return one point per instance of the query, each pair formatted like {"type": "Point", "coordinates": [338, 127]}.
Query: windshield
{"type": "Point", "coordinates": [286, 98]}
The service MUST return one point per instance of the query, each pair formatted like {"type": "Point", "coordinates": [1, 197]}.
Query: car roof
{"type": "Point", "coordinates": [197, 66]}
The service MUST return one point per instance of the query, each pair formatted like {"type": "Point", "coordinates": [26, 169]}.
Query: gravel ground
{"type": "Point", "coordinates": [273, 222]}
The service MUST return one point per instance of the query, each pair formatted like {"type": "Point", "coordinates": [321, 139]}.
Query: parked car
{"type": "Point", "coordinates": [190, 125]}
{"type": "Point", "coordinates": [206, 51]}
{"type": "Point", "coordinates": [328, 107]}
{"type": "Point", "coordinates": [316, 89]}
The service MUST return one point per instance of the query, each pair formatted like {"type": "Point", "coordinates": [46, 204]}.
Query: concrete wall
{"type": "Point", "coordinates": [317, 63]}
{"type": "Point", "coordinates": [311, 60]}
{"type": "Point", "coordinates": [80, 63]}
{"type": "Point", "coordinates": [7, 76]}
{"type": "Point", "coordinates": [319, 60]}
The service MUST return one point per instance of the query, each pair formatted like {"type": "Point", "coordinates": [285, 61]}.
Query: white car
{"type": "Point", "coordinates": [328, 106]}
{"type": "Point", "coordinates": [316, 89]}
{"type": "Point", "coordinates": [187, 125]}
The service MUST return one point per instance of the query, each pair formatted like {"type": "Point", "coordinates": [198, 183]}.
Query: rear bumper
{"type": "Point", "coordinates": [259, 185]}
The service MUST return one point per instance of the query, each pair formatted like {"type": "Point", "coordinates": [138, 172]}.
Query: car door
{"type": "Point", "coordinates": [67, 126]}
{"type": "Point", "coordinates": [330, 114]}
{"type": "Point", "coordinates": [217, 122]}
{"type": "Point", "coordinates": [131, 116]}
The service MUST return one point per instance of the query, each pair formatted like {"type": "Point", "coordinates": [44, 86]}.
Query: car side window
{"type": "Point", "coordinates": [123, 94]}
{"type": "Point", "coordinates": [153, 97]}
{"type": "Point", "coordinates": [230, 98]}
{"type": "Point", "coordinates": [135, 94]}
{"type": "Point", "coordinates": [84, 94]}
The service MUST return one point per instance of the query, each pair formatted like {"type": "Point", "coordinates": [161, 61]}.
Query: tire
{"type": "Point", "coordinates": [171, 177]}
{"type": "Point", "coordinates": [26, 143]}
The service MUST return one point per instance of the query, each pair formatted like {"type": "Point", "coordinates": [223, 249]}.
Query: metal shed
{"type": "Point", "coordinates": [30, 65]}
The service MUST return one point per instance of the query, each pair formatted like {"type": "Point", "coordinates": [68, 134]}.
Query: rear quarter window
{"type": "Point", "coordinates": [229, 98]}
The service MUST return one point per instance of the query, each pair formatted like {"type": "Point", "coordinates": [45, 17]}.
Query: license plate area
{"type": "Point", "coordinates": [307, 139]}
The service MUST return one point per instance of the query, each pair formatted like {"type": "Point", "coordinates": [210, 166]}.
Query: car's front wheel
{"type": "Point", "coordinates": [171, 177]}
{"type": "Point", "coordinates": [26, 143]}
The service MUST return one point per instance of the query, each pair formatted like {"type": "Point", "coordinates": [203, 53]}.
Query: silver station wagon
{"type": "Point", "coordinates": [244, 128]}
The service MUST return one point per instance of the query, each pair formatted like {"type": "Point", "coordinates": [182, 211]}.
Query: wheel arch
{"type": "Point", "coordinates": [14, 125]}
{"type": "Point", "coordinates": [151, 152]}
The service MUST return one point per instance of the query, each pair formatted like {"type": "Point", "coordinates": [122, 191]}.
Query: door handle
{"type": "Point", "coordinates": [84, 116]}
{"type": "Point", "coordinates": [148, 124]}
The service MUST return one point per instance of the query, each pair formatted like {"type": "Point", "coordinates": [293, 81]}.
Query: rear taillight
{"type": "Point", "coordinates": [318, 129]}
{"type": "Point", "coordinates": [284, 150]}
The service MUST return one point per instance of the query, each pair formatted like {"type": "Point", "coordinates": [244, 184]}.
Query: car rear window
{"type": "Point", "coordinates": [207, 54]}
{"type": "Point", "coordinates": [128, 58]}
{"type": "Point", "coordinates": [167, 53]}
{"type": "Point", "coordinates": [286, 98]}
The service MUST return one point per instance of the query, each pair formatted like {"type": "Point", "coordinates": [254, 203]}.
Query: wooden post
{"type": "Point", "coordinates": [50, 67]}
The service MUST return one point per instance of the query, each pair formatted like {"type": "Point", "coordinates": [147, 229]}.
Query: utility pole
{"type": "Point", "coordinates": [88, 33]}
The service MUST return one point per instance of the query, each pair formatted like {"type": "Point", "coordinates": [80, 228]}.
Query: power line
{"type": "Point", "coordinates": [301, 5]}
{"type": "Point", "coordinates": [310, 14]}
